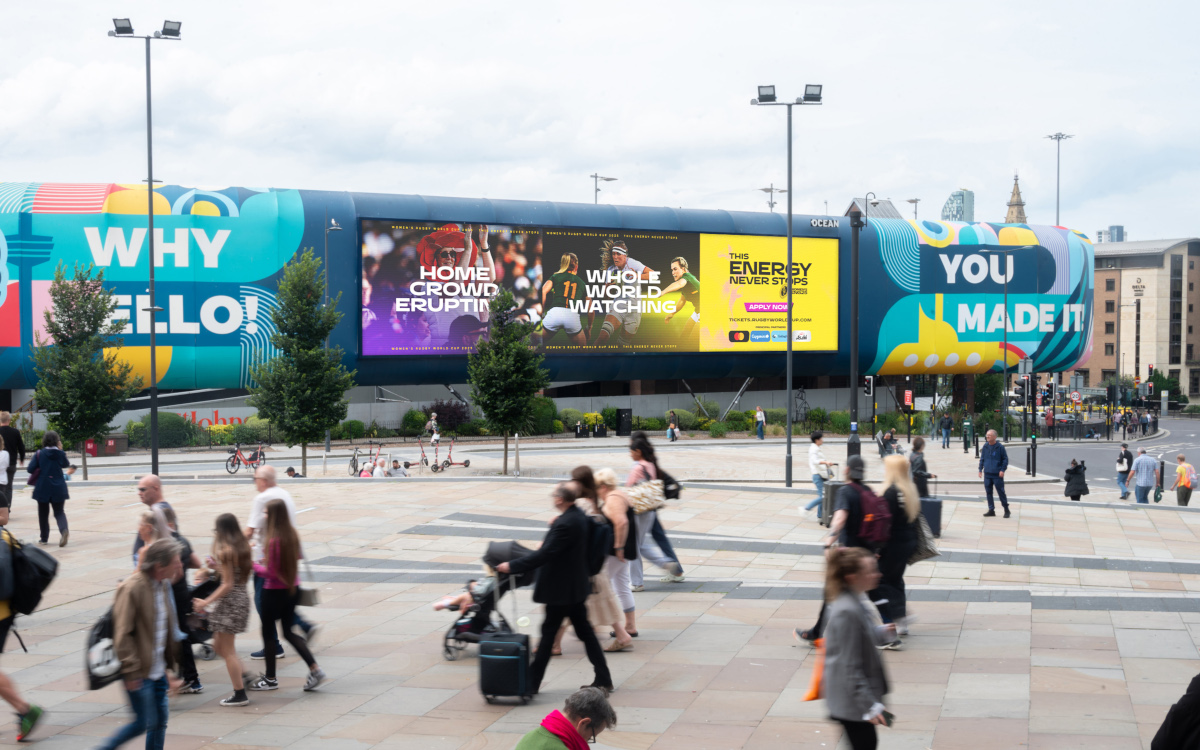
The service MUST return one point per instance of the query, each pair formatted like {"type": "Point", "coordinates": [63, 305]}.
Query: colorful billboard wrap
{"type": "Point", "coordinates": [949, 282]}
{"type": "Point", "coordinates": [616, 292]}
{"type": "Point", "coordinates": [426, 288]}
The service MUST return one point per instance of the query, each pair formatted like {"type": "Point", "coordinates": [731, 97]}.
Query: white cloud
{"type": "Point", "coordinates": [525, 100]}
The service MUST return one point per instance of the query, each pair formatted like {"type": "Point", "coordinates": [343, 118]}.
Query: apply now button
{"type": "Point", "coordinates": [766, 307]}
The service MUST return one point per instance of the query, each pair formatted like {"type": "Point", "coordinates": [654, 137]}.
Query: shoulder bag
{"type": "Point", "coordinates": [308, 596]}
{"type": "Point", "coordinates": [646, 496]}
{"type": "Point", "coordinates": [926, 548]}
{"type": "Point", "coordinates": [37, 470]}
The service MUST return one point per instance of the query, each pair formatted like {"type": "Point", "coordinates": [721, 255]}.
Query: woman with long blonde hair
{"type": "Point", "coordinates": [228, 607]}
{"type": "Point", "coordinates": [905, 505]}
{"type": "Point", "coordinates": [281, 588]}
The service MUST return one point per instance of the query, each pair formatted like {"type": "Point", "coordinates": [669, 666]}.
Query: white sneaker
{"type": "Point", "coordinates": [315, 678]}
{"type": "Point", "coordinates": [671, 579]}
{"type": "Point", "coordinates": [637, 588]}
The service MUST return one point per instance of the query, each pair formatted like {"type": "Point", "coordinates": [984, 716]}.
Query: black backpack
{"type": "Point", "coordinates": [671, 488]}
{"type": "Point", "coordinates": [100, 657]}
{"type": "Point", "coordinates": [600, 544]}
{"type": "Point", "coordinates": [6, 568]}
{"type": "Point", "coordinates": [33, 570]}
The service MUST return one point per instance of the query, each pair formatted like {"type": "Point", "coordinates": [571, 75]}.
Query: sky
{"type": "Point", "coordinates": [525, 100]}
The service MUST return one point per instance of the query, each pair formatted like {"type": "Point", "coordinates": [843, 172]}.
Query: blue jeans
{"type": "Point", "coordinates": [295, 619]}
{"type": "Point", "coordinates": [819, 485]}
{"type": "Point", "coordinates": [1143, 493]}
{"type": "Point", "coordinates": [150, 710]}
{"type": "Point", "coordinates": [760, 430]}
{"type": "Point", "coordinates": [945, 437]}
{"type": "Point", "coordinates": [997, 481]}
{"type": "Point", "coordinates": [1123, 482]}
{"type": "Point", "coordinates": [660, 538]}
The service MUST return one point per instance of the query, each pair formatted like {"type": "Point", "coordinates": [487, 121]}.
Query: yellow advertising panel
{"type": "Point", "coordinates": [744, 307]}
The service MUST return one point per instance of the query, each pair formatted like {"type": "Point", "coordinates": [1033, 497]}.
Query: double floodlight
{"type": "Point", "coordinates": [766, 95]}
{"type": "Point", "coordinates": [124, 27]}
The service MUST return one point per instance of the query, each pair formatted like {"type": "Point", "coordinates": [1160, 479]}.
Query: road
{"type": "Point", "coordinates": [1101, 456]}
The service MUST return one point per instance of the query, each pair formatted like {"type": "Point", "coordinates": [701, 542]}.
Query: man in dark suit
{"type": "Point", "coordinates": [563, 586]}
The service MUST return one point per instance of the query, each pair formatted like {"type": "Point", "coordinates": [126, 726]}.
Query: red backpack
{"type": "Point", "coordinates": [876, 526]}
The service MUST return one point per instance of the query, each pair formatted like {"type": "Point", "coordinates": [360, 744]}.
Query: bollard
{"type": "Point", "coordinates": [1162, 469]}
{"type": "Point", "coordinates": [1033, 452]}
{"type": "Point", "coordinates": [1026, 462]}
{"type": "Point", "coordinates": [976, 446]}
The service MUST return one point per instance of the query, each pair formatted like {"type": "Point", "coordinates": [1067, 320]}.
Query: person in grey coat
{"type": "Point", "coordinates": [854, 679]}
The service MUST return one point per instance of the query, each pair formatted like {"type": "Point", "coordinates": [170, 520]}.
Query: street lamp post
{"type": "Point", "coordinates": [1058, 138]}
{"type": "Point", "coordinates": [770, 191]}
{"type": "Point", "coordinates": [123, 28]}
{"type": "Point", "coordinates": [853, 445]}
{"type": "Point", "coordinates": [766, 96]}
{"type": "Point", "coordinates": [331, 225]}
{"type": "Point", "coordinates": [596, 178]}
{"type": "Point", "coordinates": [914, 201]}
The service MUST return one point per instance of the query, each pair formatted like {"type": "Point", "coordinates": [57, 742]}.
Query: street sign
{"type": "Point", "coordinates": [1137, 380]}
{"type": "Point", "coordinates": [908, 398]}
{"type": "Point", "coordinates": [1025, 366]}
{"type": "Point", "coordinates": [1076, 396]}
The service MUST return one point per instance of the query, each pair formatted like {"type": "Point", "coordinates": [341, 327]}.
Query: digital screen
{"type": "Point", "coordinates": [426, 288]}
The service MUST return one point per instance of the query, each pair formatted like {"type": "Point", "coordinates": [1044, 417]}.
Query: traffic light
{"type": "Point", "coordinates": [1149, 389]}
{"type": "Point", "coordinates": [1149, 371]}
{"type": "Point", "coordinates": [1112, 394]}
{"type": "Point", "coordinates": [1018, 392]}
{"type": "Point", "coordinates": [869, 385]}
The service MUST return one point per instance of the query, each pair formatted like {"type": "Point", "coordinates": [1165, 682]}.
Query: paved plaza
{"type": "Point", "coordinates": [1070, 625]}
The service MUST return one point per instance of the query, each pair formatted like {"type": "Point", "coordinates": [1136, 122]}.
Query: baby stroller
{"type": "Point", "coordinates": [484, 616]}
{"type": "Point", "coordinates": [196, 624]}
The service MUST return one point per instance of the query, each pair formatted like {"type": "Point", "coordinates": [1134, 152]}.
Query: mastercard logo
{"type": "Point", "coordinates": [738, 336]}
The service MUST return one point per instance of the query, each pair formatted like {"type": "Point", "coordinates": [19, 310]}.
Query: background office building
{"type": "Point", "coordinates": [1145, 311]}
{"type": "Point", "coordinates": [960, 206]}
{"type": "Point", "coordinates": [1115, 233]}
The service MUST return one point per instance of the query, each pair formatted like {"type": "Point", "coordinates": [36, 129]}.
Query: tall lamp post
{"type": "Point", "coordinates": [1058, 138]}
{"type": "Point", "coordinates": [123, 28]}
{"type": "Point", "coordinates": [770, 191]}
{"type": "Point", "coordinates": [766, 96]}
{"type": "Point", "coordinates": [596, 178]}
{"type": "Point", "coordinates": [914, 201]}
{"type": "Point", "coordinates": [1007, 272]}
{"type": "Point", "coordinates": [331, 225]}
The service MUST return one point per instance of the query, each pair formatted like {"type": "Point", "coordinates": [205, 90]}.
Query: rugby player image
{"type": "Point", "coordinates": [614, 256]}
{"type": "Point", "coordinates": [688, 287]}
{"type": "Point", "coordinates": [559, 294]}
{"type": "Point", "coordinates": [448, 246]}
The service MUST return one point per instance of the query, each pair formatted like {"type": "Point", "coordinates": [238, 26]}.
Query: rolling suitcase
{"type": "Point", "coordinates": [931, 508]}
{"type": "Point", "coordinates": [504, 663]}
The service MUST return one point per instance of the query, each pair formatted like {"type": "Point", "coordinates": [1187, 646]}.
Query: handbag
{"type": "Point", "coordinates": [646, 496]}
{"type": "Point", "coordinates": [926, 548]}
{"type": "Point", "coordinates": [37, 472]}
{"type": "Point", "coordinates": [308, 596]}
{"type": "Point", "coordinates": [1121, 465]}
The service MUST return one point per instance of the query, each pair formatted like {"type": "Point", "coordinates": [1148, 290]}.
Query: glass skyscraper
{"type": "Point", "coordinates": [960, 206]}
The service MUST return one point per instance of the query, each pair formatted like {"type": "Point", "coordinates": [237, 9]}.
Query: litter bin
{"type": "Point", "coordinates": [968, 432]}
{"type": "Point", "coordinates": [831, 488]}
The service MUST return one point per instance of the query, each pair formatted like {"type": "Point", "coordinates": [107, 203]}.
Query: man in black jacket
{"type": "Point", "coordinates": [563, 586]}
{"type": "Point", "coordinates": [16, 454]}
{"type": "Point", "coordinates": [1124, 466]}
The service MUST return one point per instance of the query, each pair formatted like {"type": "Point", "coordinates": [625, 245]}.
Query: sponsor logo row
{"type": "Point", "coordinates": [761, 337]}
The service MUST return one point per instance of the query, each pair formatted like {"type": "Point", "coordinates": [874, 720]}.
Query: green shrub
{"type": "Point", "coordinates": [703, 423]}
{"type": "Point", "coordinates": [138, 432]}
{"type": "Point", "coordinates": [717, 429]}
{"type": "Point", "coordinates": [736, 421]}
{"type": "Point", "coordinates": [687, 419]}
{"type": "Point", "coordinates": [651, 424]}
{"type": "Point", "coordinates": [889, 421]}
{"type": "Point", "coordinates": [473, 427]}
{"type": "Point", "coordinates": [218, 434]}
{"type": "Point", "coordinates": [1193, 409]}
{"type": "Point", "coordinates": [173, 430]}
{"type": "Point", "coordinates": [818, 418]}
{"type": "Point", "coordinates": [451, 413]}
{"type": "Point", "coordinates": [839, 422]}
{"type": "Point", "coordinates": [243, 433]}
{"type": "Point", "coordinates": [413, 422]}
{"type": "Point", "coordinates": [711, 406]}
{"type": "Point", "coordinates": [920, 423]}
{"type": "Point", "coordinates": [354, 429]}
{"type": "Point", "coordinates": [542, 416]}
{"type": "Point", "coordinates": [774, 430]}
{"type": "Point", "coordinates": [592, 418]}
{"type": "Point", "coordinates": [557, 426]}
{"type": "Point", "coordinates": [609, 415]}
{"type": "Point", "coordinates": [776, 416]}
{"type": "Point", "coordinates": [337, 432]}
{"type": "Point", "coordinates": [570, 417]}
{"type": "Point", "coordinates": [261, 428]}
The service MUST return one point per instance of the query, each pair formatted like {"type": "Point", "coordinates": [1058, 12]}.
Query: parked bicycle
{"type": "Point", "coordinates": [254, 460]}
{"type": "Point", "coordinates": [354, 463]}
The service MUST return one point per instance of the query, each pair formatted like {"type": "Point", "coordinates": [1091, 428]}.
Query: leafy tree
{"type": "Point", "coordinates": [1126, 381]}
{"type": "Point", "coordinates": [1163, 383]}
{"type": "Point", "coordinates": [505, 372]}
{"type": "Point", "coordinates": [989, 389]}
{"type": "Point", "coordinates": [303, 390]}
{"type": "Point", "coordinates": [82, 383]}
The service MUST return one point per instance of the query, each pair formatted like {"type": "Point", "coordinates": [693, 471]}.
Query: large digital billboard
{"type": "Point", "coordinates": [426, 288]}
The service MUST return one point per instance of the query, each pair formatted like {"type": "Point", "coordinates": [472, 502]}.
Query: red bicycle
{"type": "Point", "coordinates": [254, 460]}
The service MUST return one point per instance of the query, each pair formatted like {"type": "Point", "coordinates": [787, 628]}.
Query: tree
{"type": "Point", "coordinates": [1163, 383]}
{"type": "Point", "coordinates": [303, 390]}
{"type": "Point", "coordinates": [505, 372]}
{"type": "Point", "coordinates": [82, 382]}
{"type": "Point", "coordinates": [988, 391]}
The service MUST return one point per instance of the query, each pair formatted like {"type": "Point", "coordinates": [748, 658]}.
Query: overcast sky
{"type": "Point", "coordinates": [525, 100]}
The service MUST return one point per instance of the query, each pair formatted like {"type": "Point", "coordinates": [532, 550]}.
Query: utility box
{"type": "Point", "coordinates": [624, 422]}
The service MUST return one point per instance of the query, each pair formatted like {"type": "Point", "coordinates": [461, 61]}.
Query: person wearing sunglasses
{"type": "Point", "coordinates": [586, 714]}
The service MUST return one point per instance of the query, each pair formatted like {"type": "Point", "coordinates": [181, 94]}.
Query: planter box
{"type": "Point", "coordinates": [600, 431]}
{"type": "Point", "coordinates": [581, 431]}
